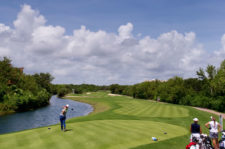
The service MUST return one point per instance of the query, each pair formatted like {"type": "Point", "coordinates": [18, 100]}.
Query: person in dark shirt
{"type": "Point", "coordinates": [195, 129]}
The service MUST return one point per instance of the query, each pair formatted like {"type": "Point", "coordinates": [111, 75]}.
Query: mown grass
{"type": "Point", "coordinates": [118, 122]}
{"type": "Point", "coordinates": [150, 109]}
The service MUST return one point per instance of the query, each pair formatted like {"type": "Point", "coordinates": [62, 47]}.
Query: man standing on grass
{"type": "Point", "coordinates": [62, 117]}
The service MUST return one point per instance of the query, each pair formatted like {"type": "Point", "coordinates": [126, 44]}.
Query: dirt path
{"type": "Point", "coordinates": [211, 111]}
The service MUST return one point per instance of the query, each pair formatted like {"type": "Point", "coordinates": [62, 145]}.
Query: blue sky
{"type": "Point", "coordinates": [123, 41]}
{"type": "Point", "coordinates": [150, 17]}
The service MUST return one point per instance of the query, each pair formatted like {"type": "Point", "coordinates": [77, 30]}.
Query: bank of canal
{"type": "Point", "coordinates": [45, 116]}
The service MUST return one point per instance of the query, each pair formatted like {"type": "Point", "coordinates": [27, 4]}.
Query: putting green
{"type": "Point", "coordinates": [144, 108]}
{"type": "Point", "coordinates": [98, 134]}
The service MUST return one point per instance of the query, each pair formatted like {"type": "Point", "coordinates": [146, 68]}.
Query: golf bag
{"type": "Point", "coordinates": [206, 142]}
{"type": "Point", "coordinates": [194, 143]}
{"type": "Point", "coordinates": [191, 145]}
{"type": "Point", "coordinates": [222, 144]}
{"type": "Point", "coordinates": [222, 141]}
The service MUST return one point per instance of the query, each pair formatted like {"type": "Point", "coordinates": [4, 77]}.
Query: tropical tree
{"type": "Point", "coordinates": [44, 80]}
{"type": "Point", "coordinates": [219, 81]}
{"type": "Point", "coordinates": [201, 74]}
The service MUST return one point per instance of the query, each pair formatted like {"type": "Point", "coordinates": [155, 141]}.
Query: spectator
{"type": "Point", "coordinates": [214, 128]}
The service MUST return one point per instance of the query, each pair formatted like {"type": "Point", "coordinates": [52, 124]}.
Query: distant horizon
{"type": "Point", "coordinates": [112, 42]}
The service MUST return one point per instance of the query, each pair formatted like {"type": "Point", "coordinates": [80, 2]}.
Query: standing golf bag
{"type": "Point", "coordinates": [194, 143]}
{"type": "Point", "coordinates": [222, 144]}
{"type": "Point", "coordinates": [207, 144]}
{"type": "Point", "coordinates": [222, 141]}
{"type": "Point", "coordinates": [204, 142]}
{"type": "Point", "coordinates": [191, 145]}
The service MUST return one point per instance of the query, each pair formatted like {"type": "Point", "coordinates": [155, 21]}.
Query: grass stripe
{"type": "Point", "coordinates": [95, 132]}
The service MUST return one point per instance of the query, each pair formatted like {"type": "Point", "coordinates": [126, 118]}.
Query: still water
{"type": "Point", "coordinates": [45, 116]}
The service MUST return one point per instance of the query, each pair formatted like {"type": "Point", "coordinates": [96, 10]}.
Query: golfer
{"type": "Point", "coordinates": [195, 129]}
{"type": "Point", "coordinates": [62, 117]}
{"type": "Point", "coordinates": [214, 128]}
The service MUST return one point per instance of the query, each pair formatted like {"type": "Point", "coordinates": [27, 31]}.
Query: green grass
{"type": "Point", "coordinates": [115, 134]}
{"type": "Point", "coordinates": [118, 122]}
{"type": "Point", "coordinates": [145, 108]}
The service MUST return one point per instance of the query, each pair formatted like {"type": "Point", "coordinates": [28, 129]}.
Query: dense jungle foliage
{"type": "Point", "coordinates": [207, 90]}
{"type": "Point", "coordinates": [20, 91]}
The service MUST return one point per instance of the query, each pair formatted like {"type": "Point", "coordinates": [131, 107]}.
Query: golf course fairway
{"type": "Point", "coordinates": [151, 109]}
{"type": "Point", "coordinates": [118, 122]}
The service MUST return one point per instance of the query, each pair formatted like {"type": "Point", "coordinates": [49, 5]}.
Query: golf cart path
{"type": "Point", "coordinates": [211, 111]}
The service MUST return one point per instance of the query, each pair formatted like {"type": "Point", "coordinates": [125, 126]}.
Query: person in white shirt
{"type": "Point", "coordinates": [214, 128]}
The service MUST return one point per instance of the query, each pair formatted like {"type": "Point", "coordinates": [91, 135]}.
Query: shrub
{"type": "Point", "coordinates": [218, 104]}
{"type": "Point", "coordinates": [43, 97]}
{"type": "Point", "coordinates": [186, 100]}
{"type": "Point", "coordinates": [62, 92]}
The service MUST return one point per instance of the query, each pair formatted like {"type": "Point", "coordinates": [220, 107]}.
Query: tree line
{"type": "Point", "coordinates": [207, 90]}
{"type": "Point", "coordinates": [20, 91]}
{"type": "Point", "coordinates": [63, 89]}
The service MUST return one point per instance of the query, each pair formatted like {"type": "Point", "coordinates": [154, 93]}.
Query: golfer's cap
{"type": "Point", "coordinates": [195, 119]}
{"type": "Point", "coordinates": [67, 105]}
{"type": "Point", "coordinates": [211, 117]}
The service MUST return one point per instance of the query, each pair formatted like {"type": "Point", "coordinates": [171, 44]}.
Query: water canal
{"type": "Point", "coordinates": [45, 116]}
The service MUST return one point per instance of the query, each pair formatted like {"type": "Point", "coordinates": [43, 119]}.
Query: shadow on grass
{"type": "Point", "coordinates": [167, 144]}
{"type": "Point", "coordinates": [68, 130]}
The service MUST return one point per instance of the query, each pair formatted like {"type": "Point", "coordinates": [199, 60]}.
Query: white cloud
{"type": "Point", "coordinates": [99, 57]}
{"type": "Point", "coordinates": [47, 39]}
{"type": "Point", "coordinates": [4, 30]}
{"type": "Point", "coordinates": [125, 31]}
{"type": "Point", "coordinates": [4, 51]}
{"type": "Point", "coordinates": [5, 33]}
{"type": "Point", "coordinates": [27, 21]}
{"type": "Point", "coordinates": [219, 55]}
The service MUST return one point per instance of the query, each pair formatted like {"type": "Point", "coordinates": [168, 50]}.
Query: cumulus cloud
{"type": "Point", "coordinates": [27, 21]}
{"type": "Point", "coordinates": [220, 54]}
{"type": "Point", "coordinates": [125, 31]}
{"type": "Point", "coordinates": [99, 57]}
{"type": "Point", "coordinates": [46, 40]}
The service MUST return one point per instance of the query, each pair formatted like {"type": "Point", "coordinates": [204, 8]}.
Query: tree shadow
{"type": "Point", "coordinates": [176, 143]}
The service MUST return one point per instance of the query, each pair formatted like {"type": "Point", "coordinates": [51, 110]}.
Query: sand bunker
{"type": "Point", "coordinates": [113, 94]}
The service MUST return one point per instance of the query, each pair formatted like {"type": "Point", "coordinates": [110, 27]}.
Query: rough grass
{"type": "Point", "coordinates": [119, 122]}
